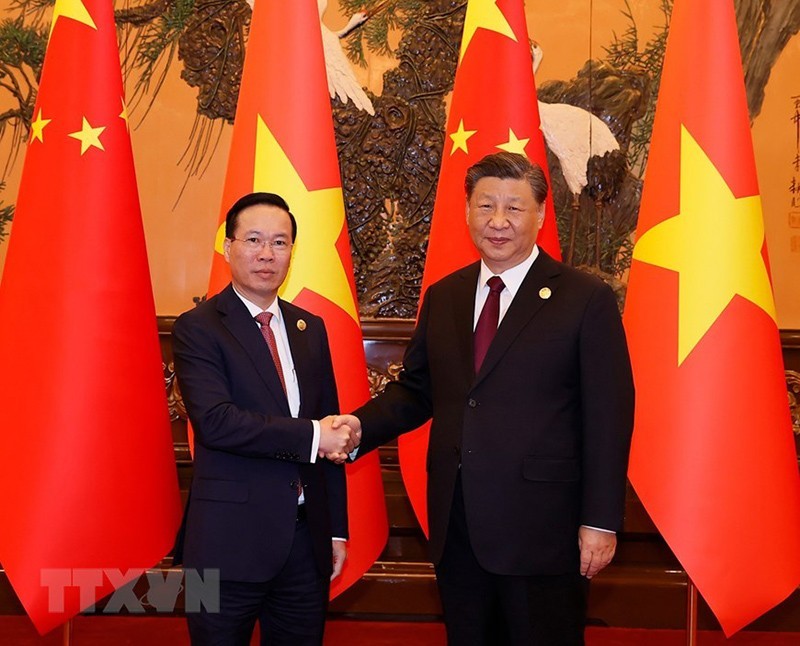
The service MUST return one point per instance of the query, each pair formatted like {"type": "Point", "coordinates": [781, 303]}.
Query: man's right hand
{"type": "Point", "coordinates": [338, 438]}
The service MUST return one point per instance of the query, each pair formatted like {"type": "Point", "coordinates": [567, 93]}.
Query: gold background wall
{"type": "Point", "coordinates": [180, 221]}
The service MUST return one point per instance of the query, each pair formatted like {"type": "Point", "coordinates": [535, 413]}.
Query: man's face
{"type": "Point", "coordinates": [258, 271]}
{"type": "Point", "coordinates": [504, 219]}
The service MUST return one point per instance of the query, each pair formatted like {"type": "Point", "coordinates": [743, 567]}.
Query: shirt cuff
{"type": "Point", "coordinates": [315, 441]}
{"type": "Point", "coordinates": [341, 540]}
{"type": "Point", "coordinates": [600, 529]}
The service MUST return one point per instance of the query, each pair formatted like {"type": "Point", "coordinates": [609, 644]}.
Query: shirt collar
{"type": "Point", "coordinates": [512, 278]}
{"type": "Point", "coordinates": [255, 310]}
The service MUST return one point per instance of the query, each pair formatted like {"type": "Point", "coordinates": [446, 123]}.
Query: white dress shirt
{"type": "Point", "coordinates": [512, 279]}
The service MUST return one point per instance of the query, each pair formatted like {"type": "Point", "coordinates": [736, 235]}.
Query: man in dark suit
{"type": "Point", "coordinates": [264, 509]}
{"type": "Point", "coordinates": [528, 381]}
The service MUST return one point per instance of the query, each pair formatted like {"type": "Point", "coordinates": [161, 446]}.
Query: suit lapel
{"type": "Point", "coordinates": [236, 318]}
{"type": "Point", "coordinates": [463, 308]}
{"type": "Point", "coordinates": [528, 301]}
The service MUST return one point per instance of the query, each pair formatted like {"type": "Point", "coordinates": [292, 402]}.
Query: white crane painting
{"type": "Point", "coordinates": [574, 135]}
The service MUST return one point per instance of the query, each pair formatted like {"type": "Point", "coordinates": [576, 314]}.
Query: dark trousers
{"type": "Point", "coordinates": [485, 609]}
{"type": "Point", "coordinates": [290, 608]}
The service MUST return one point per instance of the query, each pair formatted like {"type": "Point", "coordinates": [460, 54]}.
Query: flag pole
{"type": "Point", "coordinates": [691, 613]}
{"type": "Point", "coordinates": [67, 634]}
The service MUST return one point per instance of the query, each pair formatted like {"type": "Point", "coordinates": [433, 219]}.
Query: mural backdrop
{"type": "Point", "coordinates": [391, 65]}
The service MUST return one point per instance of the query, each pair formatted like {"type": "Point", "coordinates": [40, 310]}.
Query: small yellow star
{"type": "Point", "coordinates": [714, 244]}
{"type": "Point", "coordinates": [38, 126]}
{"type": "Point", "coordinates": [74, 9]}
{"type": "Point", "coordinates": [460, 137]}
{"type": "Point", "coordinates": [514, 145]}
{"type": "Point", "coordinates": [124, 114]}
{"type": "Point", "coordinates": [88, 136]}
{"type": "Point", "coordinates": [483, 14]}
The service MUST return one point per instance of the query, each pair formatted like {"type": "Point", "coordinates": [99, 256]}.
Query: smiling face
{"type": "Point", "coordinates": [258, 274]}
{"type": "Point", "coordinates": [504, 219]}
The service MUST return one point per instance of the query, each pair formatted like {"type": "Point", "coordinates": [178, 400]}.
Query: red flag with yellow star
{"type": "Point", "coordinates": [713, 459]}
{"type": "Point", "coordinates": [283, 142]}
{"type": "Point", "coordinates": [88, 488]}
{"type": "Point", "coordinates": [494, 107]}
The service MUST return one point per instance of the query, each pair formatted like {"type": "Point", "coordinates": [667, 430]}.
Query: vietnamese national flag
{"type": "Point", "coordinates": [283, 142]}
{"type": "Point", "coordinates": [713, 458]}
{"type": "Point", "coordinates": [88, 487]}
{"type": "Point", "coordinates": [493, 108]}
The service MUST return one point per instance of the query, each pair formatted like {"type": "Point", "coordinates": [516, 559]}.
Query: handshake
{"type": "Point", "coordinates": [339, 436]}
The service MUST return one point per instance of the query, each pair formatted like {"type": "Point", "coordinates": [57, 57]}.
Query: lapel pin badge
{"type": "Point", "coordinates": [301, 325]}
{"type": "Point", "coordinates": [545, 293]}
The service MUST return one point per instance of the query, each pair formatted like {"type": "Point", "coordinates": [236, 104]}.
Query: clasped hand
{"type": "Point", "coordinates": [339, 436]}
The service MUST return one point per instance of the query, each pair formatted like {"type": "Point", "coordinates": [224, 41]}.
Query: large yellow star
{"type": "Point", "coordinates": [88, 136]}
{"type": "Point", "coordinates": [514, 145]}
{"type": "Point", "coordinates": [460, 137]}
{"type": "Point", "coordinates": [320, 217]}
{"type": "Point", "coordinates": [487, 15]}
{"type": "Point", "coordinates": [714, 243]}
{"type": "Point", "coordinates": [38, 126]}
{"type": "Point", "coordinates": [74, 9]}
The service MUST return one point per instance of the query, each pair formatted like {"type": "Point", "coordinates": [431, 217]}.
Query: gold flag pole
{"type": "Point", "coordinates": [67, 634]}
{"type": "Point", "coordinates": [691, 613]}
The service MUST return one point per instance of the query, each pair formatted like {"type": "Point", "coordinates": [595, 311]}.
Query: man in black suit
{"type": "Point", "coordinates": [264, 509]}
{"type": "Point", "coordinates": [529, 385]}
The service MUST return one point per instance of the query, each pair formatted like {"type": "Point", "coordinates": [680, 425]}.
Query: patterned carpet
{"type": "Point", "coordinates": [169, 631]}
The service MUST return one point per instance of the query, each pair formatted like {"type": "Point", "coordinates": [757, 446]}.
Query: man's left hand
{"type": "Point", "coordinates": [339, 557]}
{"type": "Point", "coordinates": [597, 549]}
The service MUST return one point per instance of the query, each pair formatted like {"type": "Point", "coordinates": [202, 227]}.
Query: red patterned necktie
{"type": "Point", "coordinates": [264, 318]}
{"type": "Point", "coordinates": [487, 321]}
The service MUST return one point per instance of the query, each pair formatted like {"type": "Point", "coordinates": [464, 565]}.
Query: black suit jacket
{"type": "Point", "coordinates": [542, 432]}
{"type": "Point", "coordinates": [249, 452]}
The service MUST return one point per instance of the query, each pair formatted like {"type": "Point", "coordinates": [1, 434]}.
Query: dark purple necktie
{"type": "Point", "coordinates": [487, 321]}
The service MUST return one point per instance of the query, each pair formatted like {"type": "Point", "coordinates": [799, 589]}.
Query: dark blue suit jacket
{"type": "Point", "coordinates": [249, 452]}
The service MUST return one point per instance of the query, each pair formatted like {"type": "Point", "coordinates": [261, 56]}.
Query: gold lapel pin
{"type": "Point", "coordinates": [545, 293]}
{"type": "Point", "coordinates": [301, 325]}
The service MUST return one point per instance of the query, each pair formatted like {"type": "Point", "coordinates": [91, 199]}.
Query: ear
{"type": "Point", "coordinates": [540, 214]}
{"type": "Point", "coordinates": [226, 249]}
{"type": "Point", "coordinates": [466, 210]}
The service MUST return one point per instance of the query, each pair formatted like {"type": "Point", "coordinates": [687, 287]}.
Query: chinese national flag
{"type": "Point", "coordinates": [493, 108]}
{"type": "Point", "coordinates": [283, 142]}
{"type": "Point", "coordinates": [88, 488]}
{"type": "Point", "coordinates": [713, 459]}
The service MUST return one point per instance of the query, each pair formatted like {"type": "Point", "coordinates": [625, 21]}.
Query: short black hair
{"type": "Point", "coordinates": [507, 165]}
{"type": "Point", "coordinates": [251, 199]}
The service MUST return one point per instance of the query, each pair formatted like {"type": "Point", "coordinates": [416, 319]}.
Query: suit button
{"type": "Point", "coordinates": [294, 485]}
{"type": "Point", "coordinates": [472, 403]}
{"type": "Point", "coordinates": [457, 449]}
